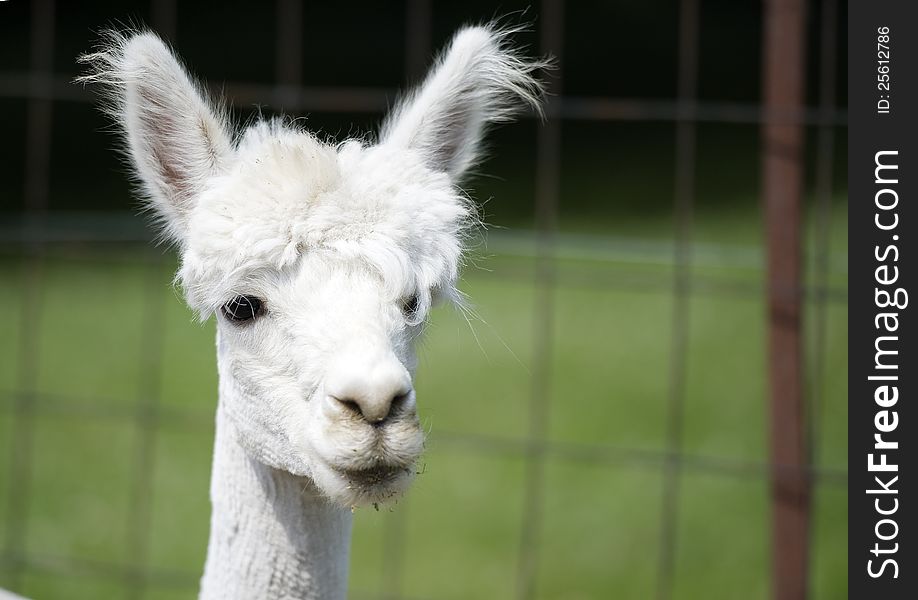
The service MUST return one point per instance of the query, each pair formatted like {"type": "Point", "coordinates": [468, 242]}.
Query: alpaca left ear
{"type": "Point", "coordinates": [478, 80]}
{"type": "Point", "coordinates": [175, 136]}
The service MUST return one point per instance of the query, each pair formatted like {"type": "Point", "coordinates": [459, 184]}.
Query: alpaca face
{"type": "Point", "coordinates": [319, 261]}
{"type": "Point", "coordinates": [321, 264]}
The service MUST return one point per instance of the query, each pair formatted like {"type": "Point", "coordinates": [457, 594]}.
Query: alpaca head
{"type": "Point", "coordinates": [319, 261]}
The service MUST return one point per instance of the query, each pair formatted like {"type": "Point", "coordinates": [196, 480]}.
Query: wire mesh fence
{"type": "Point", "coordinates": [39, 241]}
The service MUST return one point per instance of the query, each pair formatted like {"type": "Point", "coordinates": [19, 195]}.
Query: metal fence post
{"type": "Point", "coordinates": [547, 198]}
{"type": "Point", "coordinates": [782, 167]}
{"type": "Point", "coordinates": [683, 211]}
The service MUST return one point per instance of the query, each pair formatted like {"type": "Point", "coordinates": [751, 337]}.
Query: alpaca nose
{"type": "Point", "coordinates": [374, 391]}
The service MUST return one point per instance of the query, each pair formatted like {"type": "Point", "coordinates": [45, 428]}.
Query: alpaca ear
{"type": "Point", "coordinates": [175, 137]}
{"type": "Point", "coordinates": [478, 80]}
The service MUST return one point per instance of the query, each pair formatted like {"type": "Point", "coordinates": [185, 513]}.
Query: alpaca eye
{"type": "Point", "coordinates": [411, 305]}
{"type": "Point", "coordinates": [242, 308]}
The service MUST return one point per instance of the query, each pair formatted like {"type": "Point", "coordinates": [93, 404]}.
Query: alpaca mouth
{"type": "Point", "coordinates": [375, 477]}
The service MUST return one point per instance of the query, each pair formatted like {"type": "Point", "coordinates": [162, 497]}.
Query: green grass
{"type": "Point", "coordinates": [599, 535]}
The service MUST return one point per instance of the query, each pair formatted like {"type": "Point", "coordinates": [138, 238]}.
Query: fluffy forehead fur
{"type": "Point", "coordinates": [245, 205]}
{"type": "Point", "coordinates": [285, 194]}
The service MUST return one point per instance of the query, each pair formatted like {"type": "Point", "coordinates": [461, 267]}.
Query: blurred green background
{"type": "Point", "coordinates": [109, 384]}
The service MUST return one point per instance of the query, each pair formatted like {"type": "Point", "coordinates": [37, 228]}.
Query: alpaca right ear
{"type": "Point", "coordinates": [479, 79]}
{"type": "Point", "coordinates": [175, 136]}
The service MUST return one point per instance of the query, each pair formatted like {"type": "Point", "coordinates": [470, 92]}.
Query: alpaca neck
{"type": "Point", "coordinates": [272, 535]}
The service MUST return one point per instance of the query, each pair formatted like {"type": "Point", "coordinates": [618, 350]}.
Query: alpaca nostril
{"type": "Point", "coordinates": [350, 405]}
{"type": "Point", "coordinates": [402, 403]}
{"type": "Point", "coordinates": [371, 412]}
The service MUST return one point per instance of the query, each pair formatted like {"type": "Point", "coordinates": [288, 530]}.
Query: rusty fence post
{"type": "Point", "coordinates": [782, 183]}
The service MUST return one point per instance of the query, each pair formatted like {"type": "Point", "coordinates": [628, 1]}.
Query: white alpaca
{"type": "Point", "coordinates": [321, 263]}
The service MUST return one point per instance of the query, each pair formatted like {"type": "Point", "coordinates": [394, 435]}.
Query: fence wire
{"type": "Point", "coordinates": [36, 238]}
